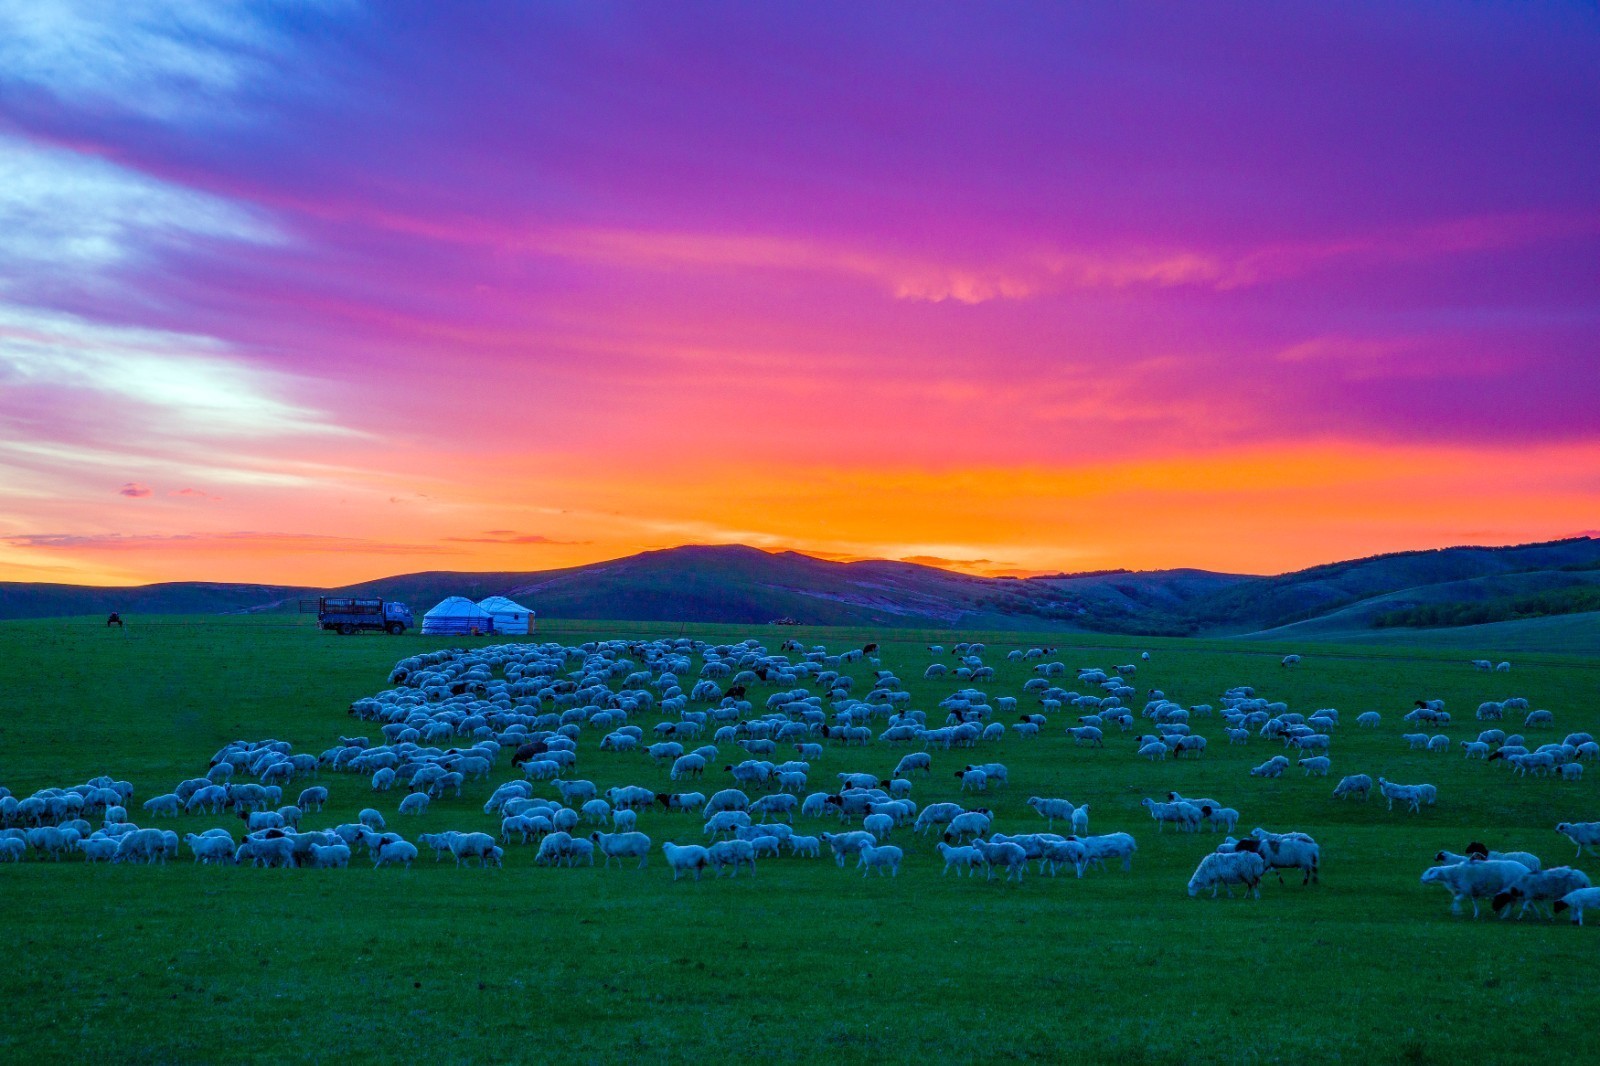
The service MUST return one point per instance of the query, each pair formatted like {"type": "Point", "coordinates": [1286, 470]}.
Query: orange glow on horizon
{"type": "Point", "coordinates": [1249, 511]}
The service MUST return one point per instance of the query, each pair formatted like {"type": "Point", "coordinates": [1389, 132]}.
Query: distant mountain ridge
{"type": "Point", "coordinates": [743, 585]}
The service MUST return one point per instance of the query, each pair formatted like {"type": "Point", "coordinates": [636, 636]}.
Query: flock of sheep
{"type": "Point", "coordinates": [452, 717]}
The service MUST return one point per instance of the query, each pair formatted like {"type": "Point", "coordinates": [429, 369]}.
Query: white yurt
{"type": "Point", "coordinates": [509, 615]}
{"type": "Point", "coordinates": [457, 615]}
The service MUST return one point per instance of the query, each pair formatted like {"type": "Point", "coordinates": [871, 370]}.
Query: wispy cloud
{"type": "Point", "coordinates": [174, 383]}
{"type": "Point", "coordinates": [507, 536]}
{"type": "Point", "coordinates": [164, 59]}
{"type": "Point", "coordinates": [134, 489]}
{"type": "Point", "coordinates": [64, 214]}
{"type": "Point", "coordinates": [246, 542]}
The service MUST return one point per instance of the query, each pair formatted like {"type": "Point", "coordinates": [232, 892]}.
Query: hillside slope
{"type": "Point", "coordinates": [1273, 602]}
{"type": "Point", "coordinates": [42, 600]}
{"type": "Point", "coordinates": [743, 585]}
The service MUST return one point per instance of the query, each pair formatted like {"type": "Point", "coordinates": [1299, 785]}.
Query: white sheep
{"type": "Point", "coordinates": [1541, 886]}
{"type": "Point", "coordinates": [415, 803]}
{"type": "Point", "coordinates": [621, 846]}
{"type": "Point", "coordinates": [1273, 767]}
{"type": "Point", "coordinates": [880, 858]}
{"type": "Point", "coordinates": [1358, 785]}
{"type": "Point", "coordinates": [1289, 851]}
{"type": "Point", "coordinates": [960, 859]}
{"type": "Point", "coordinates": [1006, 855]}
{"type": "Point", "coordinates": [1579, 901]}
{"type": "Point", "coordinates": [394, 853]}
{"type": "Point", "coordinates": [1111, 846]}
{"type": "Point", "coordinates": [1051, 809]}
{"type": "Point", "coordinates": [1475, 880]}
{"type": "Point", "coordinates": [1583, 834]}
{"type": "Point", "coordinates": [328, 856]}
{"type": "Point", "coordinates": [879, 825]}
{"type": "Point", "coordinates": [1080, 820]}
{"type": "Point", "coordinates": [809, 846]}
{"type": "Point", "coordinates": [1317, 766]}
{"type": "Point", "coordinates": [732, 854]}
{"type": "Point", "coordinates": [163, 805]}
{"type": "Point", "coordinates": [1226, 869]}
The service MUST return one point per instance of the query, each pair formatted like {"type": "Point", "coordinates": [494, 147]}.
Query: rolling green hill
{"type": "Point", "coordinates": [739, 585]}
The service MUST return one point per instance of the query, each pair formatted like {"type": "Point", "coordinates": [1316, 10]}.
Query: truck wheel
{"type": "Point", "coordinates": [347, 630]}
{"type": "Point", "coordinates": [395, 628]}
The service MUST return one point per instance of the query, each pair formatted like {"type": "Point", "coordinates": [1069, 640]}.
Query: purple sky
{"type": "Point", "coordinates": [318, 292]}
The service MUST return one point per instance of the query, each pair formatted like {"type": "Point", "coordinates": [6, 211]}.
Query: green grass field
{"type": "Point", "coordinates": [805, 961]}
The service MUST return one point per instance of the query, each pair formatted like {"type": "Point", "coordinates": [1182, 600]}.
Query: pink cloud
{"type": "Point", "coordinates": [507, 536]}
{"type": "Point", "coordinates": [243, 541]}
{"type": "Point", "coordinates": [135, 490]}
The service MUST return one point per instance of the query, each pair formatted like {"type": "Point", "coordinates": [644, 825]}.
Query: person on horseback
{"type": "Point", "coordinates": [114, 620]}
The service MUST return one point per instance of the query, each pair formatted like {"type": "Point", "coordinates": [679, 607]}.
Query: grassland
{"type": "Point", "coordinates": [805, 962]}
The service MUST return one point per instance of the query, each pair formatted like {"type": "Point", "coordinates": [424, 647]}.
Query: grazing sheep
{"type": "Point", "coordinates": [1051, 809]}
{"type": "Point", "coordinates": [880, 858]}
{"type": "Point", "coordinates": [1006, 855]}
{"type": "Point", "coordinates": [809, 846]}
{"type": "Point", "coordinates": [416, 803]}
{"type": "Point", "coordinates": [575, 792]}
{"type": "Point", "coordinates": [1289, 851]}
{"type": "Point", "coordinates": [1226, 869]}
{"type": "Point", "coordinates": [621, 846]}
{"type": "Point", "coordinates": [732, 854]}
{"type": "Point", "coordinates": [371, 819]}
{"type": "Point", "coordinates": [845, 844]}
{"type": "Point", "coordinates": [879, 825]}
{"type": "Point", "coordinates": [468, 846]}
{"type": "Point", "coordinates": [1358, 785]}
{"type": "Point", "coordinates": [1541, 886]}
{"type": "Point", "coordinates": [312, 799]}
{"type": "Point", "coordinates": [553, 849]}
{"type": "Point", "coordinates": [1369, 720]}
{"type": "Point", "coordinates": [1412, 796]}
{"type": "Point", "coordinates": [961, 859]}
{"type": "Point", "coordinates": [330, 856]}
{"type": "Point", "coordinates": [1111, 846]}
{"type": "Point", "coordinates": [967, 824]}
{"type": "Point", "coordinates": [1579, 901]}
{"type": "Point", "coordinates": [1582, 834]}
{"type": "Point", "coordinates": [1184, 815]}
{"type": "Point", "coordinates": [1316, 766]}
{"type": "Point", "coordinates": [1290, 660]}
{"type": "Point", "coordinates": [394, 853]}
{"type": "Point", "coordinates": [974, 779]}
{"type": "Point", "coordinates": [163, 805]}
{"type": "Point", "coordinates": [685, 857]}
{"type": "Point", "coordinates": [1475, 880]}
{"type": "Point", "coordinates": [1273, 767]}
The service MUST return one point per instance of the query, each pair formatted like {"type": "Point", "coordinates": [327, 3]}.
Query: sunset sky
{"type": "Point", "coordinates": [315, 293]}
